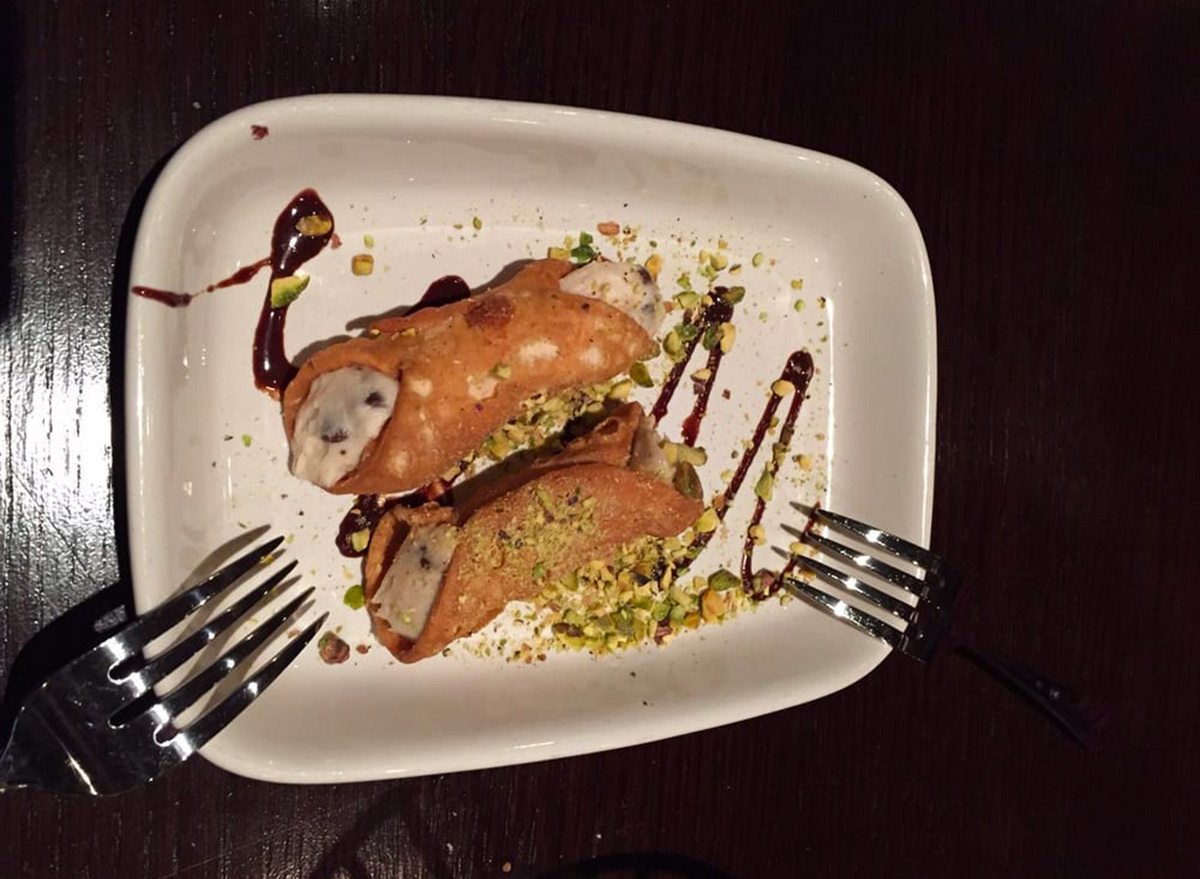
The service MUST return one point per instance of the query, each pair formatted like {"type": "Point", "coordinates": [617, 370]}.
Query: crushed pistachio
{"type": "Point", "coordinates": [641, 375]}
{"type": "Point", "coordinates": [673, 345]}
{"type": "Point", "coordinates": [757, 259]}
{"type": "Point", "coordinates": [765, 487]}
{"type": "Point", "coordinates": [797, 283]}
{"type": "Point", "coordinates": [702, 375]}
{"type": "Point", "coordinates": [477, 223]}
{"type": "Point", "coordinates": [654, 265]}
{"type": "Point", "coordinates": [284, 291]}
{"type": "Point", "coordinates": [502, 371]}
{"type": "Point", "coordinates": [687, 299]}
{"type": "Point", "coordinates": [354, 598]}
{"type": "Point", "coordinates": [246, 440]}
{"type": "Point", "coordinates": [368, 241]}
{"type": "Point", "coordinates": [359, 539]}
{"type": "Point", "coordinates": [620, 391]}
{"type": "Point", "coordinates": [362, 264]}
{"type": "Point", "coordinates": [799, 305]}
{"type": "Point", "coordinates": [708, 521]}
{"type": "Point", "coordinates": [718, 261]}
{"type": "Point", "coordinates": [684, 281]}
{"type": "Point", "coordinates": [558, 253]}
{"type": "Point", "coordinates": [314, 225]}
{"type": "Point", "coordinates": [782, 387]}
{"type": "Point", "coordinates": [721, 579]}
{"type": "Point", "coordinates": [728, 335]}
{"type": "Point", "coordinates": [722, 243]}
{"type": "Point", "coordinates": [734, 295]}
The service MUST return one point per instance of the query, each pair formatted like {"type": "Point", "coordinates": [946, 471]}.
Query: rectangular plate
{"type": "Point", "coordinates": [414, 172]}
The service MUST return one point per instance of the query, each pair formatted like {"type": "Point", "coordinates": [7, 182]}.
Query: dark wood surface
{"type": "Point", "coordinates": [1047, 153]}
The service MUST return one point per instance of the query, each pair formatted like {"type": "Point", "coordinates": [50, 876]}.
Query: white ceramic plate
{"type": "Point", "coordinates": [410, 171]}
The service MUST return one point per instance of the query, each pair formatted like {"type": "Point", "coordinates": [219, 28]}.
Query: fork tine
{"type": "Point", "coordinates": [846, 613]}
{"type": "Point", "coordinates": [161, 666]}
{"type": "Point", "coordinates": [880, 599]}
{"type": "Point", "coordinates": [220, 716]}
{"type": "Point", "coordinates": [157, 621]}
{"type": "Point", "coordinates": [867, 562]}
{"type": "Point", "coordinates": [897, 546]}
{"type": "Point", "coordinates": [182, 697]}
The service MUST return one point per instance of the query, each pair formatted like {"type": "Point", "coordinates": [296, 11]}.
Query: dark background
{"type": "Point", "coordinates": [1047, 152]}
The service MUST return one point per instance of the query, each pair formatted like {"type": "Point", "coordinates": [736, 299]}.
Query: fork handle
{"type": "Point", "coordinates": [1074, 714]}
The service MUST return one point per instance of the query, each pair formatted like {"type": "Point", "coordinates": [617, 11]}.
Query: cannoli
{"type": "Point", "coordinates": [393, 409]}
{"type": "Point", "coordinates": [435, 574]}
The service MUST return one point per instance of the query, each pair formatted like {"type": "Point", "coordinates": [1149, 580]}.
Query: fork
{"type": "Point", "coordinates": [919, 629]}
{"type": "Point", "coordinates": [97, 726]}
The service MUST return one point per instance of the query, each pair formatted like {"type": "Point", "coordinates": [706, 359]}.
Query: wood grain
{"type": "Point", "coordinates": [1046, 151]}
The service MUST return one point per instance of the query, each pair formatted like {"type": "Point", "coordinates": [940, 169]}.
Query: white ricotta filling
{"type": "Point", "coordinates": [345, 410]}
{"type": "Point", "coordinates": [411, 584]}
{"type": "Point", "coordinates": [622, 285]}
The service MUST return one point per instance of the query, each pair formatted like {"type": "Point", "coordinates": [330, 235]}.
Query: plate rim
{"type": "Point", "coordinates": [425, 109]}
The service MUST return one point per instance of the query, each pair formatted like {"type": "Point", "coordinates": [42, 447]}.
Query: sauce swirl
{"type": "Point", "coordinates": [290, 249]}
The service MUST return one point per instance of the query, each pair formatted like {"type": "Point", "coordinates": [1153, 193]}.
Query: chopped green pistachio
{"type": "Point", "coordinates": [673, 345]}
{"type": "Point", "coordinates": [708, 272]}
{"type": "Point", "coordinates": [539, 571]}
{"type": "Point", "coordinates": [708, 521]}
{"type": "Point", "coordinates": [728, 335]}
{"type": "Point", "coordinates": [558, 253]}
{"type": "Point", "coordinates": [314, 225]}
{"type": "Point", "coordinates": [687, 332]}
{"type": "Point", "coordinates": [734, 295]}
{"type": "Point", "coordinates": [584, 252]}
{"type": "Point", "coordinates": [476, 222]}
{"type": "Point", "coordinates": [765, 487]}
{"type": "Point", "coordinates": [687, 481]}
{"type": "Point", "coordinates": [684, 281]}
{"type": "Point", "coordinates": [702, 375]}
{"type": "Point", "coordinates": [718, 260]}
{"type": "Point", "coordinates": [362, 264]}
{"type": "Point", "coordinates": [246, 440]}
{"type": "Point", "coordinates": [799, 305]}
{"type": "Point", "coordinates": [458, 225]}
{"type": "Point", "coordinates": [735, 269]}
{"type": "Point", "coordinates": [641, 375]}
{"type": "Point", "coordinates": [712, 337]}
{"type": "Point", "coordinates": [691, 455]}
{"type": "Point", "coordinates": [721, 579]}
{"type": "Point", "coordinates": [797, 283]}
{"type": "Point", "coordinates": [758, 534]}
{"type": "Point", "coordinates": [368, 241]}
{"type": "Point", "coordinates": [782, 388]}
{"type": "Point", "coordinates": [757, 259]}
{"type": "Point", "coordinates": [502, 370]}
{"type": "Point", "coordinates": [688, 299]}
{"type": "Point", "coordinates": [722, 243]}
{"type": "Point", "coordinates": [653, 243]}
{"type": "Point", "coordinates": [360, 539]}
{"type": "Point", "coordinates": [354, 598]}
{"type": "Point", "coordinates": [285, 290]}
{"type": "Point", "coordinates": [620, 391]}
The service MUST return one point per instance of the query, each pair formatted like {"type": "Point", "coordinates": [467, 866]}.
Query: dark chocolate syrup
{"type": "Point", "coordinates": [798, 370]}
{"type": "Point", "coordinates": [443, 291]}
{"type": "Point", "coordinates": [716, 314]}
{"type": "Point", "coordinates": [713, 315]}
{"type": "Point", "coordinates": [176, 300]}
{"type": "Point", "coordinates": [289, 251]}
{"type": "Point", "coordinates": [368, 509]}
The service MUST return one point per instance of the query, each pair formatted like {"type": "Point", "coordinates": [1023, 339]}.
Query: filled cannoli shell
{"type": "Point", "coordinates": [465, 368]}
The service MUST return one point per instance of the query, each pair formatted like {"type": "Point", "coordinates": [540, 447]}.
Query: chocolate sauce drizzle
{"type": "Point", "coordinates": [177, 300]}
{"type": "Point", "coordinates": [704, 322]}
{"type": "Point", "coordinates": [368, 509]}
{"type": "Point", "coordinates": [443, 291]}
{"type": "Point", "coordinates": [290, 249]}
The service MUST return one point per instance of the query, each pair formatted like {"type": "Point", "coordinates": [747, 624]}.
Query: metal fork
{"type": "Point", "coordinates": [97, 727]}
{"type": "Point", "coordinates": [917, 629]}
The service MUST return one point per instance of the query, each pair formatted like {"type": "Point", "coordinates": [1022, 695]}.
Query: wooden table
{"type": "Point", "coordinates": [1042, 147]}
